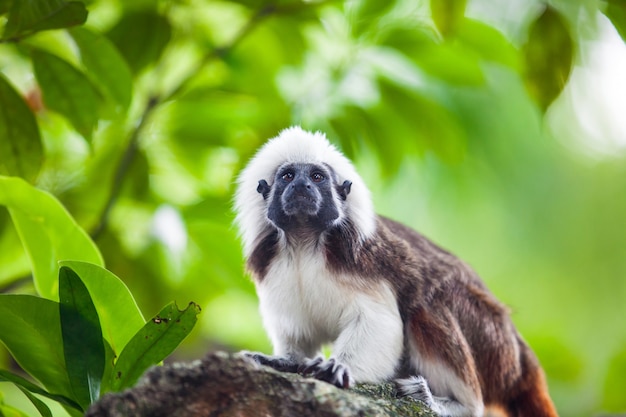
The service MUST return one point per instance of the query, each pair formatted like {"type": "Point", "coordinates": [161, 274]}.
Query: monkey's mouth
{"type": "Point", "coordinates": [301, 205]}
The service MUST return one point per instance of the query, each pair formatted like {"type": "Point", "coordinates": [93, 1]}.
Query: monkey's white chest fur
{"type": "Point", "coordinates": [304, 306]}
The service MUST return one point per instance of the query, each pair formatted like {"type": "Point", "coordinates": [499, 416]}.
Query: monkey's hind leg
{"type": "Point", "coordinates": [417, 387]}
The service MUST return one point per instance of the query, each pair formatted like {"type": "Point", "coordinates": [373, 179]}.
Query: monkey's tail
{"type": "Point", "coordinates": [531, 398]}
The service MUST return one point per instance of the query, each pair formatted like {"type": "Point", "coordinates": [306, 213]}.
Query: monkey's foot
{"type": "Point", "coordinates": [329, 371]}
{"type": "Point", "coordinates": [280, 363]}
{"type": "Point", "coordinates": [416, 387]}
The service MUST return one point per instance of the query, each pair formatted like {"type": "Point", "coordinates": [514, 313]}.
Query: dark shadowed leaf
{"type": "Point", "coordinates": [25, 384]}
{"type": "Point", "coordinates": [26, 17]}
{"type": "Point", "coordinates": [83, 347]}
{"type": "Point", "coordinates": [113, 300]}
{"type": "Point", "coordinates": [107, 66]}
{"type": "Point", "coordinates": [157, 339]}
{"type": "Point", "coordinates": [616, 11]}
{"type": "Point", "coordinates": [447, 15]}
{"type": "Point", "coordinates": [5, 5]}
{"type": "Point", "coordinates": [67, 90]}
{"type": "Point", "coordinates": [548, 55]}
{"type": "Point", "coordinates": [141, 37]}
{"type": "Point", "coordinates": [20, 143]}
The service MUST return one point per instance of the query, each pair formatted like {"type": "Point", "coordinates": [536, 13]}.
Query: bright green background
{"type": "Point", "coordinates": [448, 115]}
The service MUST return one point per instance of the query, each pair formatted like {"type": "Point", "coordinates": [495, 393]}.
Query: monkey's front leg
{"type": "Point", "coordinates": [280, 363]}
{"type": "Point", "coordinates": [369, 345]}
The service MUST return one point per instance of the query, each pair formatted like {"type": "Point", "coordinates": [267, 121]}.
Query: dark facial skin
{"type": "Point", "coordinates": [302, 197]}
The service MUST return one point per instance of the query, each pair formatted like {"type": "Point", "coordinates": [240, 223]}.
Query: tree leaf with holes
{"type": "Point", "coordinates": [548, 55]}
{"type": "Point", "coordinates": [48, 232]}
{"type": "Point", "coordinates": [67, 90]}
{"type": "Point", "coordinates": [20, 146]}
{"type": "Point", "coordinates": [104, 62]}
{"type": "Point", "coordinates": [83, 347]}
{"type": "Point", "coordinates": [157, 339]}
{"type": "Point", "coordinates": [27, 17]}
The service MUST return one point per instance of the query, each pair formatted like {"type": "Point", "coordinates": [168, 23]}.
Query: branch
{"type": "Point", "coordinates": [232, 385]}
{"type": "Point", "coordinates": [155, 100]}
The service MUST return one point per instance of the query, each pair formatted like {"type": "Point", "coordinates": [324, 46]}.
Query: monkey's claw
{"type": "Point", "coordinates": [329, 371]}
{"type": "Point", "coordinates": [416, 387]}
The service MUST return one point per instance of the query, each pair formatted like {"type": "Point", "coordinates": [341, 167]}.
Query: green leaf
{"type": "Point", "coordinates": [447, 15]}
{"type": "Point", "coordinates": [39, 405]}
{"type": "Point", "coordinates": [26, 17]}
{"type": "Point", "coordinates": [157, 339]}
{"type": "Point", "coordinates": [20, 141]}
{"type": "Point", "coordinates": [616, 11]}
{"type": "Point", "coordinates": [119, 315]}
{"type": "Point", "coordinates": [367, 12]}
{"type": "Point", "coordinates": [490, 44]}
{"type": "Point", "coordinates": [106, 64]}
{"type": "Point", "coordinates": [548, 55]}
{"type": "Point", "coordinates": [82, 338]}
{"type": "Point", "coordinates": [31, 331]}
{"type": "Point", "coordinates": [25, 384]}
{"type": "Point", "coordinates": [67, 91]}
{"type": "Point", "coordinates": [141, 37]}
{"type": "Point", "coordinates": [613, 399]}
{"type": "Point", "coordinates": [48, 232]}
{"type": "Point", "coordinates": [448, 61]}
{"type": "Point", "coordinates": [5, 6]}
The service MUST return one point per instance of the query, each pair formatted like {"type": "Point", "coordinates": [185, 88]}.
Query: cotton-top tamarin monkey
{"type": "Point", "coordinates": [393, 304]}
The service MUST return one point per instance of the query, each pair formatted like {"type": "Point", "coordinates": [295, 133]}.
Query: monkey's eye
{"type": "Point", "coordinates": [317, 177]}
{"type": "Point", "coordinates": [288, 176]}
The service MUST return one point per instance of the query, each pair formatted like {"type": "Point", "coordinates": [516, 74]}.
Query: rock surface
{"type": "Point", "coordinates": [224, 384]}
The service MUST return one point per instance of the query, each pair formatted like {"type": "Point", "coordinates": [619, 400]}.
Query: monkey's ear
{"type": "Point", "coordinates": [263, 188]}
{"type": "Point", "coordinates": [344, 189]}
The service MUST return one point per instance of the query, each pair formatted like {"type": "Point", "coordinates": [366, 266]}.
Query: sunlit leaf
{"type": "Point", "coordinates": [447, 15]}
{"type": "Point", "coordinates": [157, 339]}
{"type": "Point", "coordinates": [82, 338]}
{"type": "Point", "coordinates": [490, 44]}
{"type": "Point", "coordinates": [105, 64]}
{"type": "Point", "coordinates": [448, 61]}
{"type": "Point", "coordinates": [43, 409]}
{"type": "Point", "coordinates": [366, 12]}
{"type": "Point", "coordinates": [67, 90]}
{"type": "Point", "coordinates": [8, 411]}
{"type": "Point", "coordinates": [20, 141]}
{"type": "Point", "coordinates": [118, 313]}
{"type": "Point", "coordinates": [25, 384]}
{"type": "Point", "coordinates": [616, 11]}
{"type": "Point", "coordinates": [29, 322]}
{"type": "Point", "coordinates": [141, 37]}
{"type": "Point", "coordinates": [548, 55]}
{"type": "Point", "coordinates": [26, 17]}
{"type": "Point", "coordinates": [48, 232]}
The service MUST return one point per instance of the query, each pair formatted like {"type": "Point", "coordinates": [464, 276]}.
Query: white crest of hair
{"type": "Point", "coordinates": [295, 145]}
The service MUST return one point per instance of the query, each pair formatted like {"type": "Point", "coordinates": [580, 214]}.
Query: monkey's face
{"type": "Point", "coordinates": [304, 197]}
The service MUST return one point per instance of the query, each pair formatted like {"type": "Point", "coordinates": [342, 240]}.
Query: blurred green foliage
{"type": "Point", "coordinates": [138, 116]}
